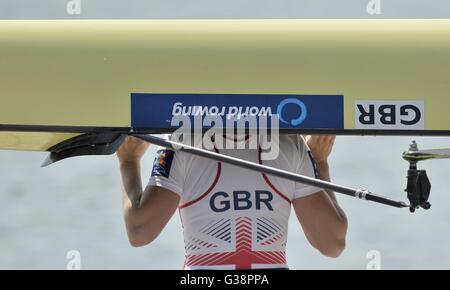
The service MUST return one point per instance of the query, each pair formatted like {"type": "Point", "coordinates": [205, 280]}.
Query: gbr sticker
{"type": "Point", "coordinates": [389, 115]}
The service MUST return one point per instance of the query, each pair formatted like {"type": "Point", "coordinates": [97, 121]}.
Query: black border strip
{"type": "Point", "coordinates": [62, 129]}
{"type": "Point", "coordinates": [126, 130]}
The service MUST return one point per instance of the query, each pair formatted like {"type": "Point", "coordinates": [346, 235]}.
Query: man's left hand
{"type": "Point", "coordinates": [320, 146]}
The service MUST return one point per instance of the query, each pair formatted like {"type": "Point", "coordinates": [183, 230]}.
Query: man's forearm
{"type": "Point", "coordinates": [131, 184]}
{"type": "Point", "coordinates": [324, 174]}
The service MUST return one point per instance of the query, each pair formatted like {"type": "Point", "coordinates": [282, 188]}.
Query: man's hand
{"type": "Point", "coordinates": [132, 149]}
{"type": "Point", "coordinates": [320, 146]}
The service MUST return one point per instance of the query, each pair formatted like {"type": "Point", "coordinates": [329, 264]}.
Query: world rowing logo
{"type": "Point", "coordinates": [281, 111]}
{"type": "Point", "coordinates": [205, 111]}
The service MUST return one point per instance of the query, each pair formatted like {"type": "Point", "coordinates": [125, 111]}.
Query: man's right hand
{"type": "Point", "coordinates": [146, 212]}
{"type": "Point", "coordinates": [132, 149]}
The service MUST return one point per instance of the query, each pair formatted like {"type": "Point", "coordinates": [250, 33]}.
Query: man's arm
{"type": "Point", "coordinates": [147, 212]}
{"type": "Point", "coordinates": [322, 219]}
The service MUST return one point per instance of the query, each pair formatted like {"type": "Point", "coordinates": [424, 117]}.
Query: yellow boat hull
{"type": "Point", "coordinates": [63, 78]}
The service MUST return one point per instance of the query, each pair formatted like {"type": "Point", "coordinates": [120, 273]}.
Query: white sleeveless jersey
{"type": "Point", "coordinates": [234, 218]}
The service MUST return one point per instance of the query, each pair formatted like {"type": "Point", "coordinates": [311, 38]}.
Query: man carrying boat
{"type": "Point", "coordinates": [233, 218]}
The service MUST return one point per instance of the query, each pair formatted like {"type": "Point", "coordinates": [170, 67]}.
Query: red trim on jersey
{"type": "Point", "coordinates": [266, 179]}
{"type": "Point", "coordinates": [216, 179]}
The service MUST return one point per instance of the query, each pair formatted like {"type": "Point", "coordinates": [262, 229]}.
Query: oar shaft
{"type": "Point", "coordinates": [270, 170]}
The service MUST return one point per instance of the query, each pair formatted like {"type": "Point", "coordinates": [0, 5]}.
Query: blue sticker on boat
{"type": "Point", "coordinates": [164, 111]}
